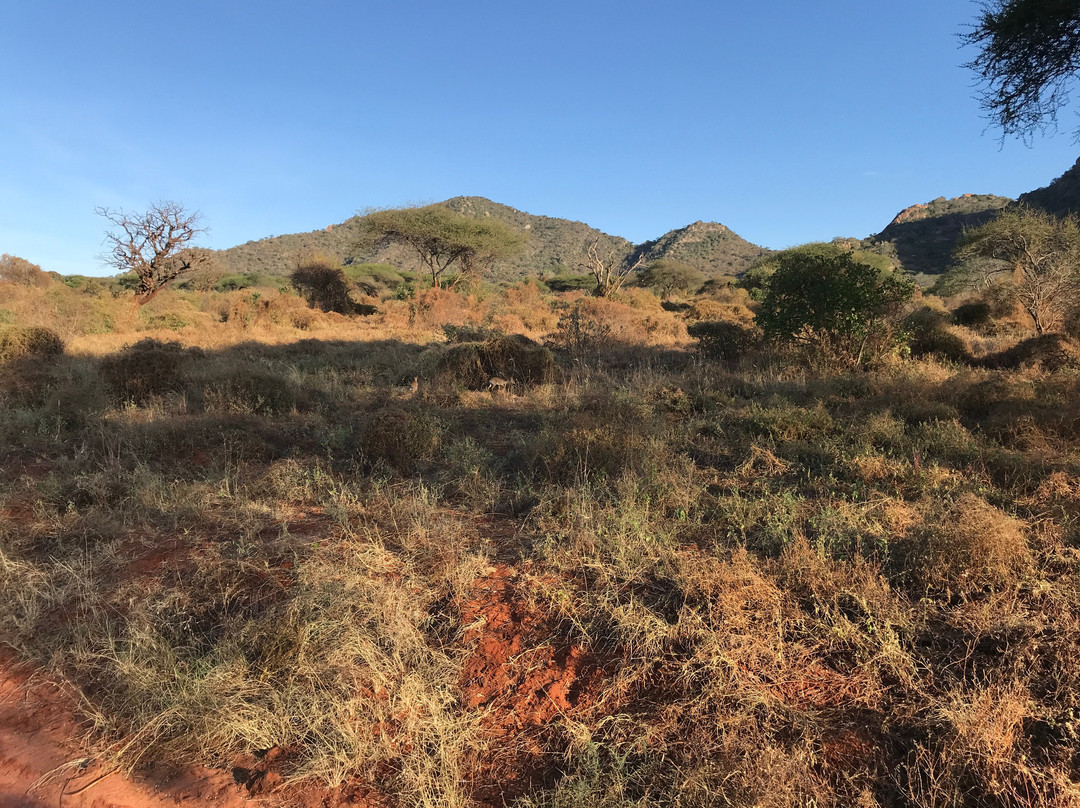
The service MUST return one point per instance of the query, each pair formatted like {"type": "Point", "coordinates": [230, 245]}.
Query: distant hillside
{"type": "Point", "coordinates": [711, 247]}
{"type": "Point", "coordinates": [924, 236]}
{"type": "Point", "coordinates": [555, 246]}
{"type": "Point", "coordinates": [1061, 197]}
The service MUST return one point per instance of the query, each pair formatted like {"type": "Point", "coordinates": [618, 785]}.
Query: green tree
{"type": "Point", "coordinates": [1028, 59]}
{"type": "Point", "coordinates": [155, 245]}
{"type": "Point", "coordinates": [666, 276]}
{"type": "Point", "coordinates": [1038, 253]}
{"type": "Point", "coordinates": [756, 278]}
{"type": "Point", "coordinates": [838, 306]}
{"type": "Point", "coordinates": [440, 237]}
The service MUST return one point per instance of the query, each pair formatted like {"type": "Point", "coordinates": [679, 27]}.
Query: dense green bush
{"type": "Point", "coordinates": [842, 309]}
{"type": "Point", "coordinates": [570, 283]}
{"type": "Point", "coordinates": [667, 276]}
{"type": "Point", "coordinates": [972, 315]}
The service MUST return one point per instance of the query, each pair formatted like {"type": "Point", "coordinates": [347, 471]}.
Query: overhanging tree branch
{"type": "Point", "coordinates": [1029, 57]}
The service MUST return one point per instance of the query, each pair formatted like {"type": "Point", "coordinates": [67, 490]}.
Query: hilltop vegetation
{"type": "Point", "coordinates": [553, 247]}
{"type": "Point", "coordinates": [921, 239]}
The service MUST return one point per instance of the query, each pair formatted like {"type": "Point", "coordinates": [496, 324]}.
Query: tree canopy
{"type": "Point", "coordinates": [440, 237]}
{"type": "Point", "coordinates": [1038, 252]}
{"type": "Point", "coordinates": [756, 278]}
{"type": "Point", "coordinates": [1029, 56]}
{"type": "Point", "coordinates": [666, 275]}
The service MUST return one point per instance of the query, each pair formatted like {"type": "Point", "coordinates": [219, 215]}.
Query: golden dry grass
{"type": "Point", "coordinates": [745, 585]}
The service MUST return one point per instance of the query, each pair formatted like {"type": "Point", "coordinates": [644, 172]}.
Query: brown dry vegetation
{"type": "Point", "coordinates": [637, 577]}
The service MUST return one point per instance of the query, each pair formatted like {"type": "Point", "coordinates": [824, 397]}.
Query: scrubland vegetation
{"type": "Point", "coordinates": [682, 558]}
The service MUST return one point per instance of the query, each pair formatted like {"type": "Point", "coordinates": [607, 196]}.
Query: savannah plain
{"type": "Point", "coordinates": [260, 543]}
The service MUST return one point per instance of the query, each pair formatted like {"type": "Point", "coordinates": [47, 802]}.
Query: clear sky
{"type": "Point", "coordinates": [787, 121]}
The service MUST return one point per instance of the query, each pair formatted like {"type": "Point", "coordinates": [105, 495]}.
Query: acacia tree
{"type": "Point", "coordinates": [440, 237]}
{"type": "Point", "coordinates": [839, 307]}
{"type": "Point", "coordinates": [610, 269]}
{"type": "Point", "coordinates": [155, 245]}
{"type": "Point", "coordinates": [1040, 255]}
{"type": "Point", "coordinates": [667, 275]}
{"type": "Point", "coordinates": [1029, 56]}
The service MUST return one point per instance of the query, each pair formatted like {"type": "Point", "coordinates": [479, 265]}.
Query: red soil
{"type": "Point", "coordinates": [42, 763]}
{"type": "Point", "coordinates": [525, 675]}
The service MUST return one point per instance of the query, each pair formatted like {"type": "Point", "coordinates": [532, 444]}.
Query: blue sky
{"type": "Point", "coordinates": [786, 121]}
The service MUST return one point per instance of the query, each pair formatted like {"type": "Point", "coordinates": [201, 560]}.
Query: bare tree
{"type": "Point", "coordinates": [1037, 252]}
{"type": "Point", "coordinates": [610, 270]}
{"type": "Point", "coordinates": [154, 245]}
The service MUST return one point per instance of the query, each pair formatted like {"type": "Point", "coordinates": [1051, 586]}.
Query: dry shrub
{"type": "Point", "coordinates": [1051, 352]}
{"type": "Point", "coordinates": [513, 357]}
{"type": "Point", "coordinates": [20, 272]}
{"type": "Point", "coordinates": [249, 310]}
{"type": "Point", "coordinates": [640, 299]}
{"type": "Point", "coordinates": [434, 308]}
{"type": "Point", "coordinates": [405, 439]}
{"type": "Point", "coordinates": [288, 310]}
{"type": "Point", "coordinates": [723, 291]}
{"type": "Point", "coordinates": [248, 389]}
{"type": "Point", "coordinates": [627, 324]}
{"type": "Point", "coordinates": [983, 758]}
{"type": "Point", "coordinates": [725, 341]}
{"type": "Point", "coordinates": [931, 334]}
{"type": "Point", "coordinates": [711, 309]}
{"type": "Point", "coordinates": [167, 312]}
{"type": "Point", "coordinates": [28, 342]}
{"type": "Point", "coordinates": [602, 442]}
{"type": "Point", "coordinates": [523, 308]}
{"type": "Point", "coordinates": [146, 369]}
{"type": "Point", "coordinates": [996, 393]}
{"type": "Point", "coordinates": [968, 546]}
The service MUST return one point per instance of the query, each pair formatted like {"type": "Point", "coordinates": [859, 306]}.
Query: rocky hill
{"type": "Point", "coordinates": [922, 237]}
{"type": "Point", "coordinates": [1061, 197]}
{"type": "Point", "coordinates": [709, 246]}
{"type": "Point", "coordinates": [555, 246]}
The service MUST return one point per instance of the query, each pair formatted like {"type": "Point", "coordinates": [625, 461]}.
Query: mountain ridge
{"type": "Point", "coordinates": [555, 246]}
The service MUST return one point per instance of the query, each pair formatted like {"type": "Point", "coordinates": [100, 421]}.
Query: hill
{"type": "Point", "coordinates": [555, 246]}
{"type": "Point", "coordinates": [1061, 197]}
{"type": "Point", "coordinates": [709, 246]}
{"type": "Point", "coordinates": [923, 236]}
